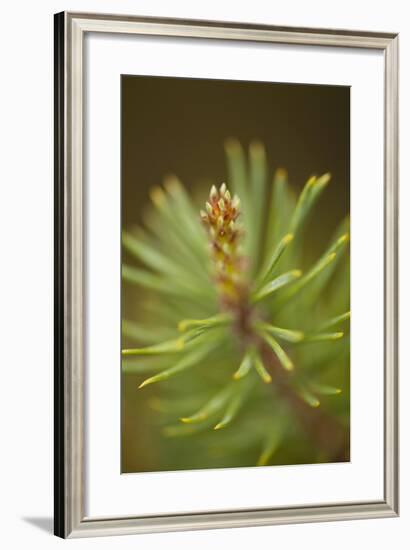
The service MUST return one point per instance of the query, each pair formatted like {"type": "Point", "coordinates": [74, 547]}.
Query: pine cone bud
{"type": "Point", "coordinates": [225, 235]}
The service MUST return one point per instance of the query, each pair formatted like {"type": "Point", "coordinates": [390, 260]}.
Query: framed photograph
{"type": "Point", "coordinates": [226, 211]}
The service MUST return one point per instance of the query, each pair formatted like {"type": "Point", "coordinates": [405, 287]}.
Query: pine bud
{"type": "Point", "coordinates": [213, 195]}
{"type": "Point", "coordinates": [224, 245]}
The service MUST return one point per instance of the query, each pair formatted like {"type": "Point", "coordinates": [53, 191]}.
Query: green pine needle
{"type": "Point", "coordinates": [277, 253]}
{"type": "Point", "coordinates": [211, 407]}
{"type": "Point", "coordinates": [282, 333]}
{"type": "Point", "coordinates": [277, 283]}
{"type": "Point", "coordinates": [335, 321]}
{"type": "Point", "coordinates": [261, 370]}
{"type": "Point", "coordinates": [284, 359]}
{"type": "Point", "coordinates": [188, 361]}
{"type": "Point", "coordinates": [245, 366]}
{"type": "Point", "coordinates": [308, 397]}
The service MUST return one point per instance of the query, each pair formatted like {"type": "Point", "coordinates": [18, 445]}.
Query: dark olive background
{"type": "Point", "coordinates": [179, 125]}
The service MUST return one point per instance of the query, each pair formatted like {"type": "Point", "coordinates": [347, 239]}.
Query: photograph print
{"type": "Point", "coordinates": [235, 274]}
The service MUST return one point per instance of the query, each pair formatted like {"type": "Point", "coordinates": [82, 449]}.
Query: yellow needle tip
{"type": "Point", "coordinates": [145, 383]}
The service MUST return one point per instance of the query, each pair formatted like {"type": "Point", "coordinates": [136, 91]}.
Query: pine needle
{"type": "Point", "coordinates": [335, 321]}
{"type": "Point", "coordinates": [231, 412]}
{"type": "Point", "coordinates": [277, 253]}
{"type": "Point", "coordinates": [282, 333]}
{"type": "Point", "coordinates": [308, 397]}
{"type": "Point", "coordinates": [324, 389]}
{"type": "Point", "coordinates": [244, 367]}
{"type": "Point", "coordinates": [271, 445]}
{"type": "Point", "coordinates": [277, 283]}
{"type": "Point", "coordinates": [280, 353]}
{"type": "Point", "coordinates": [212, 406]}
{"type": "Point", "coordinates": [307, 198]}
{"type": "Point", "coordinates": [261, 370]}
{"type": "Point", "coordinates": [188, 361]}
{"type": "Point", "coordinates": [171, 346]}
{"type": "Point", "coordinates": [323, 337]}
{"type": "Point", "coordinates": [216, 320]}
{"type": "Point", "coordinates": [258, 178]}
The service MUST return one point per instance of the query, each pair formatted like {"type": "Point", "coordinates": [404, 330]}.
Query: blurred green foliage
{"type": "Point", "coordinates": [275, 391]}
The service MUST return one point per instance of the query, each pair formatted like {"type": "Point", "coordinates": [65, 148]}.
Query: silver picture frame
{"type": "Point", "coordinates": [70, 31]}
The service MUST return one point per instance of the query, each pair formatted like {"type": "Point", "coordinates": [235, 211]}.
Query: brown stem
{"type": "Point", "coordinates": [332, 438]}
{"type": "Point", "coordinates": [326, 432]}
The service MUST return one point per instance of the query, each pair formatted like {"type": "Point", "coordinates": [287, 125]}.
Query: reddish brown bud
{"type": "Point", "coordinates": [220, 220]}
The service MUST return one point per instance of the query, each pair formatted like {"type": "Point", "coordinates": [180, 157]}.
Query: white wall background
{"type": "Point", "coordinates": [26, 271]}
